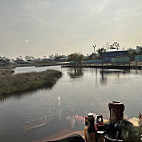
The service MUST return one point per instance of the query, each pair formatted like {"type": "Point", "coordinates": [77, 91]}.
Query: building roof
{"type": "Point", "coordinates": [115, 50]}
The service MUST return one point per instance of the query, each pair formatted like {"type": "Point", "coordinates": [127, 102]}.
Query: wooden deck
{"type": "Point", "coordinates": [105, 66]}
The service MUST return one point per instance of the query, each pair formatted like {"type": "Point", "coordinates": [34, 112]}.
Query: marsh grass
{"type": "Point", "coordinates": [6, 71]}
{"type": "Point", "coordinates": [27, 81]}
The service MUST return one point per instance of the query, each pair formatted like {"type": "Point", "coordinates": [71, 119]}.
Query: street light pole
{"type": "Point", "coordinates": [94, 48]}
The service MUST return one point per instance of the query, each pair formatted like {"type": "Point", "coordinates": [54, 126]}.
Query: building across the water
{"type": "Point", "coordinates": [114, 53]}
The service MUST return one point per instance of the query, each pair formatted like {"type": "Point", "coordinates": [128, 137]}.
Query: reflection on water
{"type": "Point", "coordinates": [109, 72]}
{"type": "Point", "coordinates": [114, 72]}
{"type": "Point", "coordinates": [22, 94]}
{"type": "Point", "coordinates": [103, 79]}
{"type": "Point", "coordinates": [38, 114]}
{"type": "Point", "coordinates": [75, 72]}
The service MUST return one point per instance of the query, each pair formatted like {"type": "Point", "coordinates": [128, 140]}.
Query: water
{"type": "Point", "coordinates": [38, 114]}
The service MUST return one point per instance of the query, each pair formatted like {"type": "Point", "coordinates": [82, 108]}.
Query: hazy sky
{"type": "Point", "coordinates": [45, 27]}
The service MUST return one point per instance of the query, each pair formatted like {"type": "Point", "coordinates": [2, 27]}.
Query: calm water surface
{"type": "Point", "coordinates": [36, 115]}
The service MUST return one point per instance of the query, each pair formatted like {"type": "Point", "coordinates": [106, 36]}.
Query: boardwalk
{"type": "Point", "coordinates": [105, 66]}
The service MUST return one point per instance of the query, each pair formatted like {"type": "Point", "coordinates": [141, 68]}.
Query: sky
{"type": "Point", "coordinates": [43, 27]}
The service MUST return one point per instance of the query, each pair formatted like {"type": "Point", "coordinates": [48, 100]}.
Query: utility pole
{"type": "Point", "coordinates": [94, 48]}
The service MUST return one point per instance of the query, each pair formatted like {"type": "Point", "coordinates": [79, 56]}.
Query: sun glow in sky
{"type": "Point", "coordinates": [45, 27]}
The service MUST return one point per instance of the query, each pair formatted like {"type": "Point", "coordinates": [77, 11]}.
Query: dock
{"type": "Point", "coordinates": [104, 66]}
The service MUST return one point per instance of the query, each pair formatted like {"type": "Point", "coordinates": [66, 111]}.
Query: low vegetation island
{"type": "Point", "coordinates": [10, 84]}
{"type": "Point", "coordinates": [6, 71]}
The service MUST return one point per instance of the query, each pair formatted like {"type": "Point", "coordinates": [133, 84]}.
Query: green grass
{"type": "Point", "coordinates": [28, 81]}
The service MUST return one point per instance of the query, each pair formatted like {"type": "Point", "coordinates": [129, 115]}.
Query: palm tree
{"type": "Point", "coordinates": [101, 51]}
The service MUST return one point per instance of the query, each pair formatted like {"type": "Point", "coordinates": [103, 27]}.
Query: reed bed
{"type": "Point", "coordinates": [6, 71]}
{"type": "Point", "coordinates": [28, 81]}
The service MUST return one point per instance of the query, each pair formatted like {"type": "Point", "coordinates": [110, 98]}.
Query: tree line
{"type": "Point", "coordinates": [76, 57]}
